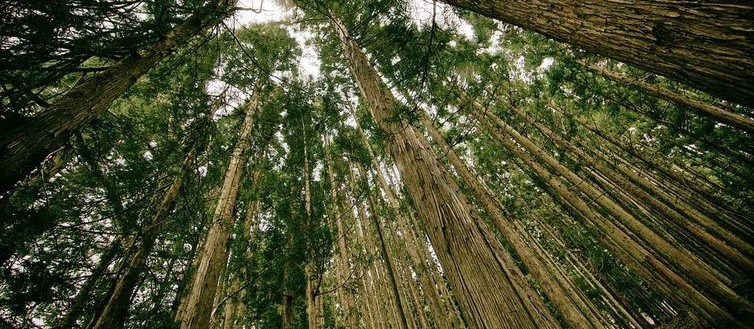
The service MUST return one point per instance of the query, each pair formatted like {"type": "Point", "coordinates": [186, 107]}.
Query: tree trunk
{"type": "Point", "coordinates": [707, 45]}
{"type": "Point", "coordinates": [116, 309]}
{"type": "Point", "coordinates": [84, 294]}
{"type": "Point", "coordinates": [391, 275]}
{"type": "Point", "coordinates": [488, 298]}
{"type": "Point", "coordinates": [310, 268]}
{"type": "Point", "coordinates": [23, 148]}
{"type": "Point", "coordinates": [214, 256]}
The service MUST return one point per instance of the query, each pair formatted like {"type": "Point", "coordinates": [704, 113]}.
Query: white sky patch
{"type": "Point", "coordinates": [258, 11]}
{"type": "Point", "coordinates": [309, 61]}
{"type": "Point", "coordinates": [422, 11]}
{"type": "Point", "coordinates": [546, 63]}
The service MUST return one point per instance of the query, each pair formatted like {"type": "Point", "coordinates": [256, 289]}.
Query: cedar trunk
{"type": "Point", "coordinates": [214, 257]}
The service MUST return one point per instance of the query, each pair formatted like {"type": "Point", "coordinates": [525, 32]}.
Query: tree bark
{"type": "Point", "coordinates": [389, 266]}
{"type": "Point", "coordinates": [23, 148]}
{"type": "Point", "coordinates": [707, 45]}
{"type": "Point", "coordinates": [213, 259]}
{"type": "Point", "coordinates": [556, 287]}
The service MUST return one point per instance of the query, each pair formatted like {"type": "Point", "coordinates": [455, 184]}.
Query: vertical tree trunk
{"type": "Point", "coordinates": [116, 309]}
{"type": "Point", "coordinates": [214, 256]}
{"type": "Point", "coordinates": [488, 298]}
{"type": "Point", "coordinates": [23, 148]}
{"type": "Point", "coordinates": [310, 267]}
{"type": "Point", "coordinates": [706, 45]}
{"type": "Point", "coordinates": [343, 263]}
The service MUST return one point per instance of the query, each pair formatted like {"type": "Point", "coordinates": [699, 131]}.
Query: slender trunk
{"type": "Point", "coordinates": [716, 113]}
{"type": "Point", "coordinates": [23, 148]}
{"type": "Point", "coordinates": [632, 253]}
{"type": "Point", "coordinates": [661, 201]}
{"type": "Point", "coordinates": [116, 309]}
{"type": "Point", "coordinates": [85, 292]}
{"type": "Point", "coordinates": [343, 264]}
{"type": "Point", "coordinates": [706, 45]}
{"type": "Point", "coordinates": [700, 271]}
{"type": "Point", "coordinates": [488, 298]}
{"type": "Point", "coordinates": [310, 267]}
{"type": "Point", "coordinates": [237, 306]}
{"type": "Point", "coordinates": [214, 256]}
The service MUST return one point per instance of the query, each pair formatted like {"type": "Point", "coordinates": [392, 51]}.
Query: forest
{"type": "Point", "coordinates": [406, 164]}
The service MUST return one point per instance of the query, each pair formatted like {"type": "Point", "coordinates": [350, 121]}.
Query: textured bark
{"type": "Point", "coordinates": [24, 147]}
{"type": "Point", "coordinates": [236, 308]}
{"type": "Point", "coordinates": [707, 45]}
{"type": "Point", "coordinates": [702, 108]}
{"type": "Point", "coordinates": [214, 256]}
{"type": "Point", "coordinates": [446, 315]}
{"type": "Point", "coordinates": [389, 265]}
{"type": "Point", "coordinates": [487, 296]}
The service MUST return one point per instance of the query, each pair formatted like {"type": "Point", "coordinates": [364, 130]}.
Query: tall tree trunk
{"type": "Point", "coordinates": [214, 256]}
{"type": "Point", "coordinates": [488, 298]}
{"type": "Point", "coordinates": [706, 45]}
{"type": "Point", "coordinates": [237, 307]}
{"type": "Point", "coordinates": [310, 268]}
{"type": "Point", "coordinates": [23, 148]}
{"type": "Point", "coordinates": [632, 252]}
{"type": "Point", "coordinates": [702, 108]}
{"type": "Point", "coordinates": [343, 263]}
{"type": "Point", "coordinates": [431, 282]}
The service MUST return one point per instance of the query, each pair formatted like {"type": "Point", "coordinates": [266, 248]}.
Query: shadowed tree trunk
{"type": "Point", "coordinates": [707, 45]}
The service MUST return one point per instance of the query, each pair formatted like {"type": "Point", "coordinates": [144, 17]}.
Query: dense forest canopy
{"type": "Point", "coordinates": [376, 164]}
